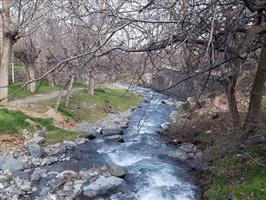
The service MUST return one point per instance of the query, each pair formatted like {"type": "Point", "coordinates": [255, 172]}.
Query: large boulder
{"type": "Point", "coordinates": [111, 131]}
{"type": "Point", "coordinates": [103, 185]}
{"type": "Point", "coordinates": [116, 170]}
{"type": "Point", "coordinates": [35, 150]}
{"type": "Point", "coordinates": [115, 138]}
{"type": "Point", "coordinates": [8, 162]}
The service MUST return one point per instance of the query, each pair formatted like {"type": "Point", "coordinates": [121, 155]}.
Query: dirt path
{"type": "Point", "coordinates": [39, 97]}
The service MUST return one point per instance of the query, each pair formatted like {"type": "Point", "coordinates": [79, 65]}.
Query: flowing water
{"type": "Point", "coordinates": [151, 174]}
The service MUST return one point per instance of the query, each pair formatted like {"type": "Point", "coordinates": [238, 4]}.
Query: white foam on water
{"type": "Point", "coordinates": [163, 179]}
{"type": "Point", "coordinates": [157, 194]}
{"type": "Point", "coordinates": [127, 160]}
{"type": "Point", "coordinates": [160, 182]}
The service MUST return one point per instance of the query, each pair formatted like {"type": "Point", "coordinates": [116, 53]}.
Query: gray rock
{"type": "Point", "coordinates": [35, 150]}
{"type": "Point", "coordinates": [91, 135]}
{"type": "Point", "coordinates": [103, 186]}
{"type": "Point", "coordinates": [116, 138]}
{"type": "Point", "coordinates": [26, 186]}
{"type": "Point", "coordinates": [57, 183]}
{"type": "Point", "coordinates": [11, 163]}
{"type": "Point", "coordinates": [38, 173]}
{"type": "Point", "coordinates": [178, 155]}
{"type": "Point", "coordinates": [116, 170]}
{"type": "Point", "coordinates": [37, 140]}
{"type": "Point", "coordinates": [110, 132]}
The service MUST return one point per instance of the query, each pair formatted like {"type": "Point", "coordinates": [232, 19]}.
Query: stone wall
{"type": "Point", "coordinates": [167, 78]}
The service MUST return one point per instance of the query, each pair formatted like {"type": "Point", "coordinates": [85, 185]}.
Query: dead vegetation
{"type": "Point", "coordinates": [236, 169]}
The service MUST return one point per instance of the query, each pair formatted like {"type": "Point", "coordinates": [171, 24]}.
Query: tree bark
{"type": "Point", "coordinates": [253, 118]}
{"type": "Point", "coordinates": [69, 91]}
{"type": "Point", "coordinates": [90, 86]}
{"type": "Point", "coordinates": [231, 98]}
{"type": "Point", "coordinates": [31, 76]}
{"type": "Point", "coordinates": [50, 79]}
{"type": "Point", "coordinates": [59, 97]}
{"type": "Point", "coordinates": [13, 68]}
{"type": "Point", "coordinates": [60, 94]}
{"type": "Point", "coordinates": [6, 52]}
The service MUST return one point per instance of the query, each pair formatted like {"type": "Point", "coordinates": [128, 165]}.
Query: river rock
{"type": "Point", "coordinates": [8, 162]}
{"type": "Point", "coordinates": [91, 135]}
{"type": "Point", "coordinates": [111, 131]}
{"type": "Point", "coordinates": [170, 102]}
{"type": "Point", "coordinates": [103, 185]}
{"type": "Point", "coordinates": [173, 116]}
{"type": "Point", "coordinates": [38, 173]}
{"type": "Point", "coordinates": [35, 150]}
{"type": "Point", "coordinates": [116, 138]}
{"type": "Point", "coordinates": [176, 154]}
{"type": "Point", "coordinates": [37, 140]}
{"type": "Point", "coordinates": [26, 186]}
{"type": "Point", "coordinates": [165, 125]}
{"type": "Point", "coordinates": [116, 170]}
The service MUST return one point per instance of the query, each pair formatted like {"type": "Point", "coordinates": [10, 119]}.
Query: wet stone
{"type": "Point", "coordinates": [111, 132]}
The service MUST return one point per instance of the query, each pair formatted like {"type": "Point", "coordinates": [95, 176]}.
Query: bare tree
{"type": "Point", "coordinates": [16, 18]}
{"type": "Point", "coordinates": [27, 52]}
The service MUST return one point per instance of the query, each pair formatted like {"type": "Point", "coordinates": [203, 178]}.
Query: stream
{"type": "Point", "coordinates": [151, 175]}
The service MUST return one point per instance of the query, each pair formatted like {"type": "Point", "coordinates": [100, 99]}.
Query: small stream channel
{"type": "Point", "coordinates": [151, 174]}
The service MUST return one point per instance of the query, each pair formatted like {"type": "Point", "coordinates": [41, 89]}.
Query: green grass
{"type": "Point", "coordinates": [219, 189]}
{"type": "Point", "coordinates": [91, 108]}
{"type": "Point", "coordinates": [42, 88]}
{"type": "Point", "coordinates": [205, 138]}
{"type": "Point", "coordinates": [240, 176]}
{"type": "Point", "coordinates": [60, 135]}
{"type": "Point", "coordinates": [80, 84]}
{"type": "Point", "coordinates": [12, 122]}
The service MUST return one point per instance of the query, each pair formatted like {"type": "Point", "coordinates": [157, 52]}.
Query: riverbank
{"type": "Point", "coordinates": [22, 172]}
{"type": "Point", "coordinates": [231, 170]}
{"type": "Point", "coordinates": [128, 163]}
{"type": "Point", "coordinates": [31, 144]}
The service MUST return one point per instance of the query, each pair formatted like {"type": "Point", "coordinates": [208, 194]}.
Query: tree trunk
{"type": "Point", "coordinates": [69, 90]}
{"type": "Point", "coordinates": [13, 68]}
{"type": "Point", "coordinates": [231, 98]}
{"type": "Point", "coordinates": [59, 97]}
{"type": "Point", "coordinates": [50, 79]}
{"type": "Point", "coordinates": [6, 52]}
{"type": "Point", "coordinates": [253, 118]}
{"type": "Point", "coordinates": [90, 86]}
{"type": "Point", "coordinates": [31, 76]}
{"type": "Point", "coordinates": [61, 93]}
